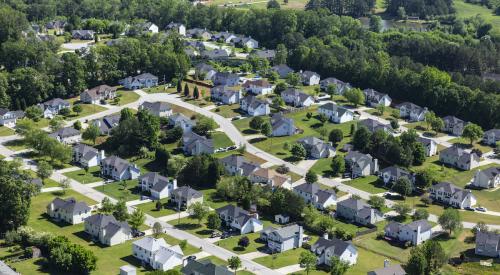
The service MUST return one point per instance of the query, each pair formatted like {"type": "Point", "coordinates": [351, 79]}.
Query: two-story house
{"type": "Point", "coordinates": [449, 194]}
{"type": "Point", "coordinates": [158, 108]}
{"type": "Point", "coordinates": [325, 249]}
{"type": "Point", "coordinates": [67, 135]}
{"type": "Point", "coordinates": [184, 196]}
{"type": "Point", "coordinates": [358, 211]}
{"type": "Point", "coordinates": [297, 98]}
{"type": "Point", "coordinates": [430, 146]}
{"type": "Point", "coordinates": [415, 232]}
{"type": "Point", "coordinates": [374, 98]}
{"type": "Point", "coordinates": [336, 113]}
{"type": "Point", "coordinates": [258, 87]}
{"type": "Point", "coordinates": [313, 194]}
{"type": "Point", "coordinates": [159, 186]}
{"type": "Point", "coordinates": [117, 168]}
{"type": "Point", "coordinates": [459, 158]}
{"type": "Point", "coordinates": [317, 148]}
{"type": "Point", "coordinates": [107, 123]}
{"type": "Point", "coordinates": [176, 27]}
{"type": "Point", "coordinates": [194, 144]}
{"type": "Point", "coordinates": [226, 79]}
{"type": "Point", "coordinates": [96, 94]}
{"type": "Point", "coordinates": [9, 118]}
{"type": "Point", "coordinates": [157, 253]}
{"type": "Point", "coordinates": [373, 125]}
{"type": "Point", "coordinates": [52, 107]}
{"type": "Point", "coordinates": [488, 244]}
{"type": "Point", "coordinates": [487, 178]}
{"type": "Point", "coordinates": [236, 165]}
{"type": "Point", "coordinates": [282, 70]}
{"type": "Point", "coordinates": [392, 174]}
{"type": "Point", "coordinates": [254, 106]}
{"type": "Point", "coordinates": [68, 210]}
{"type": "Point", "coordinates": [309, 78]}
{"type": "Point", "coordinates": [226, 94]}
{"type": "Point", "coordinates": [239, 219]}
{"type": "Point", "coordinates": [282, 239]}
{"type": "Point", "coordinates": [107, 230]}
{"type": "Point", "coordinates": [282, 126]}
{"type": "Point", "coordinates": [87, 156]}
{"type": "Point", "coordinates": [491, 137]}
{"type": "Point", "coordinates": [83, 34]}
{"type": "Point", "coordinates": [453, 125]}
{"type": "Point", "coordinates": [411, 112]}
{"type": "Point", "coordinates": [204, 71]}
{"type": "Point", "coordinates": [145, 80]}
{"type": "Point", "coordinates": [270, 178]}
{"type": "Point", "coordinates": [340, 86]}
{"type": "Point", "coordinates": [360, 165]}
{"type": "Point", "coordinates": [180, 120]}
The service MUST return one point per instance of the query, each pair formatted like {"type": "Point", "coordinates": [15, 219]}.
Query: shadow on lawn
{"type": "Point", "coordinates": [86, 237]}
{"type": "Point", "coordinates": [255, 140]}
{"type": "Point", "coordinates": [250, 132]}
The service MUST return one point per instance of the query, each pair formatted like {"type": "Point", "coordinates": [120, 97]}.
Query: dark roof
{"type": "Point", "coordinates": [204, 267]}
{"type": "Point", "coordinates": [287, 231]}
{"type": "Point", "coordinates": [314, 189]}
{"type": "Point", "coordinates": [361, 159]}
{"type": "Point", "coordinates": [70, 205]}
{"type": "Point", "coordinates": [88, 152]}
{"type": "Point", "coordinates": [238, 213]}
{"type": "Point", "coordinates": [334, 107]}
{"type": "Point", "coordinates": [101, 89]}
{"type": "Point", "coordinates": [338, 246]}
{"type": "Point", "coordinates": [114, 227]}
{"type": "Point", "coordinates": [452, 119]}
{"type": "Point", "coordinates": [100, 220]}
{"type": "Point", "coordinates": [65, 132]}
{"type": "Point", "coordinates": [352, 203]}
{"type": "Point", "coordinates": [107, 123]}
{"type": "Point", "coordinates": [396, 172]}
{"type": "Point", "coordinates": [425, 141]}
{"type": "Point", "coordinates": [373, 125]}
{"type": "Point", "coordinates": [308, 74]}
{"type": "Point", "coordinates": [187, 192]}
{"type": "Point", "coordinates": [158, 181]}
{"type": "Point", "coordinates": [118, 163]}
{"type": "Point", "coordinates": [491, 172]}
{"type": "Point", "coordinates": [390, 270]}
{"type": "Point", "coordinates": [488, 239]}
{"type": "Point", "coordinates": [55, 102]}
{"type": "Point", "coordinates": [158, 106]}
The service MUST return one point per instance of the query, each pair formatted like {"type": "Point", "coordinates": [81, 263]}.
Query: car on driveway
{"type": "Point", "coordinates": [469, 208]}
{"type": "Point", "coordinates": [482, 209]}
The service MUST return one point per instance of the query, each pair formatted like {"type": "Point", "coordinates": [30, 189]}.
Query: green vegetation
{"type": "Point", "coordinates": [279, 260]}
{"type": "Point", "coordinates": [231, 244]}
{"type": "Point", "coordinates": [466, 10]}
{"type": "Point", "coordinates": [6, 131]}
{"type": "Point", "coordinates": [227, 111]}
{"type": "Point", "coordinates": [150, 208]}
{"type": "Point", "coordinates": [221, 140]}
{"type": "Point", "coordinates": [116, 190]}
{"type": "Point", "coordinates": [82, 176]}
{"type": "Point", "coordinates": [191, 225]}
{"type": "Point", "coordinates": [465, 143]}
{"type": "Point", "coordinates": [16, 145]}
{"type": "Point", "coordinates": [368, 184]}
{"type": "Point", "coordinates": [126, 97]}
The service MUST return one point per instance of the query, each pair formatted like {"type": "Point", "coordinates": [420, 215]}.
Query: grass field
{"type": "Point", "coordinates": [228, 111]}
{"type": "Point", "coordinates": [126, 97]}
{"type": "Point", "coordinates": [231, 244]}
{"type": "Point", "coordinates": [248, 156]}
{"type": "Point", "coordinates": [221, 140]}
{"type": "Point", "coordinates": [115, 190]}
{"type": "Point", "coordinates": [243, 125]}
{"type": "Point", "coordinates": [87, 109]}
{"type": "Point", "coordinates": [368, 184]}
{"type": "Point", "coordinates": [93, 175]}
{"type": "Point", "coordinates": [192, 226]}
{"type": "Point", "coordinates": [150, 208]}
{"type": "Point", "coordinates": [465, 10]}
{"type": "Point", "coordinates": [322, 167]}
{"type": "Point", "coordinates": [16, 145]}
{"type": "Point", "coordinates": [6, 131]}
{"type": "Point", "coordinates": [210, 197]}
{"type": "Point", "coordinates": [465, 143]}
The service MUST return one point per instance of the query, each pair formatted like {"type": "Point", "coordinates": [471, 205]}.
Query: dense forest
{"type": "Point", "coordinates": [421, 8]}
{"type": "Point", "coordinates": [435, 69]}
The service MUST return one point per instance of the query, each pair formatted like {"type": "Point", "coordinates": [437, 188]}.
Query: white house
{"type": "Point", "coordinates": [297, 98]}
{"type": "Point", "coordinates": [309, 78]}
{"type": "Point", "coordinates": [184, 196]}
{"type": "Point", "coordinates": [167, 258]}
{"type": "Point", "coordinates": [177, 27]}
{"type": "Point", "coordinates": [226, 79]}
{"type": "Point", "coordinates": [67, 135]}
{"type": "Point", "coordinates": [488, 244]}
{"type": "Point", "coordinates": [107, 230]}
{"type": "Point", "coordinates": [148, 27]}
{"type": "Point", "coordinates": [87, 156]}
{"type": "Point", "coordinates": [313, 194]}
{"type": "Point", "coordinates": [159, 186]}
{"type": "Point", "coordinates": [491, 137]}
{"type": "Point", "coordinates": [360, 165]}
{"type": "Point", "coordinates": [374, 98]}
{"type": "Point", "coordinates": [236, 165]}
{"type": "Point", "coordinates": [204, 71]}
{"type": "Point", "coordinates": [182, 121]}
{"type": "Point", "coordinates": [282, 126]}
{"type": "Point", "coordinates": [430, 146]}
{"type": "Point", "coordinates": [415, 232]}
{"type": "Point", "coordinates": [239, 219]}
{"type": "Point", "coordinates": [254, 106]}
{"type": "Point", "coordinates": [317, 148]}
{"type": "Point", "coordinates": [194, 144]}
{"type": "Point", "coordinates": [145, 248]}
{"type": "Point", "coordinates": [68, 210]}
{"type": "Point", "coordinates": [96, 94]}
{"type": "Point", "coordinates": [258, 87]}
{"type": "Point", "coordinates": [358, 211]}
{"type": "Point", "coordinates": [283, 239]}
{"type": "Point", "coordinates": [226, 94]}
{"type": "Point", "coordinates": [157, 253]}
{"type": "Point", "coordinates": [453, 125]}
{"type": "Point", "coordinates": [325, 249]}
{"type": "Point", "coordinates": [411, 112]}
{"type": "Point", "coordinates": [158, 108]}
{"type": "Point", "coordinates": [459, 158]}
{"type": "Point", "coordinates": [9, 118]}
{"type": "Point", "coordinates": [449, 194]}
{"type": "Point", "coordinates": [336, 113]}
{"type": "Point", "coordinates": [52, 107]}
{"type": "Point", "coordinates": [145, 80]}
{"type": "Point", "coordinates": [270, 178]}
{"type": "Point", "coordinates": [119, 169]}
{"type": "Point", "coordinates": [488, 178]}
{"type": "Point", "coordinates": [374, 125]}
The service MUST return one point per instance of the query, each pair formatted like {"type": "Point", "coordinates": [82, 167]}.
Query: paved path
{"type": "Point", "coordinates": [50, 189]}
{"type": "Point", "coordinates": [253, 255]}
{"type": "Point", "coordinates": [289, 269]}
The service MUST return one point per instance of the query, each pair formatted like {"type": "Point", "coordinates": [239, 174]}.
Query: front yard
{"type": "Point", "coordinates": [6, 131]}
{"type": "Point", "coordinates": [126, 97]}
{"type": "Point", "coordinates": [231, 244]}
{"type": "Point", "coordinates": [93, 175]}
{"type": "Point", "coordinates": [150, 208]}
{"type": "Point", "coordinates": [221, 140]}
{"type": "Point", "coordinates": [192, 226]}
{"type": "Point", "coordinates": [368, 184]}
{"type": "Point", "coordinates": [228, 111]}
{"type": "Point", "coordinates": [127, 190]}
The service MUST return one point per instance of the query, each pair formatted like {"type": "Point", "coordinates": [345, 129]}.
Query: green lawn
{"type": "Point", "coordinates": [231, 244]}
{"type": "Point", "coordinates": [228, 111]}
{"type": "Point", "coordinates": [221, 140]}
{"type": "Point", "coordinates": [46, 183]}
{"type": "Point", "coordinates": [157, 89]}
{"type": "Point", "coordinates": [368, 184]}
{"type": "Point", "coordinates": [280, 260]}
{"type": "Point", "coordinates": [465, 143]}
{"type": "Point", "coordinates": [93, 175]}
{"type": "Point", "coordinates": [6, 131]}
{"type": "Point", "coordinates": [16, 145]}
{"type": "Point", "coordinates": [210, 197]}
{"type": "Point", "coordinates": [294, 176]}
{"type": "Point", "coordinates": [248, 156]}
{"type": "Point", "coordinates": [466, 10]}
{"type": "Point", "coordinates": [173, 241]}
{"type": "Point", "coordinates": [322, 167]}
{"type": "Point", "coordinates": [243, 125]}
{"type": "Point", "coordinates": [189, 225]}
{"type": "Point", "coordinates": [421, 126]}
{"type": "Point", "coordinates": [150, 208]}
{"type": "Point", "coordinates": [115, 190]}
{"type": "Point", "coordinates": [87, 109]}
{"type": "Point", "coordinates": [126, 97]}
{"type": "Point", "coordinates": [386, 115]}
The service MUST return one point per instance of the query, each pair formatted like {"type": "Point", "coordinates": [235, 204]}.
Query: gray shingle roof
{"type": "Point", "coordinates": [287, 231]}
{"type": "Point", "coordinates": [396, 172]}
{"type": "Point", "coordinates": [100, 220]}
{"type": "Point", "coordinates": [65, 132]}
{"type": "Point", "coordinates": [237, 213]}
{"type": "Point", "coordinates": [390, 270]}
{"type": "Point", "coordinates": [156, 180]}
{"type": "Point", "coordinates": [150, 243]}
{"type": "Point", "coordinates": [204, 267]}
{"type": "Point", "coordinates": [338, 246]}
{"type": "Point", "coordinates": [86, 151]}
{"type": "Point", "coordinates": [491, 172]}
{"type": "Point", "coordinates": [187, 193]}
{"type": "Point", "coordinates": [158, 106]}
{"type": "Point", "coordinates": [354, 204]}
{"type": "Point", "coordinates": [118, 163]}
{"type": "Point", "coordinates": [335, 108]}
{"type": "Point", "coordinates": [488, 240]}
{"type": "Point", "coordinates": [361, 159]}
{"type": "Point", "coordinates": [373, 125]}
{"type": "Point", "coordinates": [70, 205]}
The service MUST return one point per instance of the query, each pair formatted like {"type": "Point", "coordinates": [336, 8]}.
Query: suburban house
{"type": "Point", "coordinates": [226, 79]}
{"type": "Point", "coordinates": [317, 148]}
{"type": "Point", "coordinates": [388, 269]}
{"type": "Point", "coordinates": [488, 244]}
{"type": "Point", "coordinates": [158, 108]}
{"type": "Point", "coordinates": [264, 54]}
{"type": "Point", "coordinates": [411, 112]}
{"type": "Point", "coordinates": [225, 94]}
{"type": "Point", "coordinates": [488, 178]}
{"type": "Point", "coordinates": [309, 78]}
{"type": "Point", "coordinates": [254, 106]}
{"type": "Point", "coordinates": [204, 71]}
{"type": "Point", "coordinates": [191, 52]}
{"type": "Point", "coordinates": [297, 98]}
{"type": "Point", "coordinates": [246, 42]}
{"type": "Point", "coordinates": [223, 37]}
{"type": "Point", "coordinates": [67, 135]}
{"type": "Point", "coordinates": [459, 158]}
{"type": "Point", "coordinates": [430, 146]}
{"type": "Point", "coordinates": [96, 94]}
{"type": "Point", "coordinates": [491, 137]}
{"type": "Point", "coordinates": [199, 33]}
{"type": "Point", "coordinates": [373, 125]}
{"type": "Point", "coordinates": [83, 34]}
{"type": "Point", "coordinates": [281, 218]}
{"type": "Point", "coordinates": [145, 80]}
{"type": "Point", "coordinates": [159, 186]}
{"type": "Point", "coordinates": [204, 267]}
{"type": "Point", "coordinates": [325, 249]}
{"type": "Point", "coordinates": [68, 210]}
{"type": "Point", "coordinates": [449, 194]}
{"type": "Point", "coordinates": [107, 123]}
{"type": "Point", "coordinates": [239, 219]}
{"type": "Point", "coordinates": [282, 239]}
{"type": "Point", "coordinates": [313, 194]}
{"type": "Point", "coordinates": [148, 27]}
{"type": "Point", "coordinates": [215, 54]}
{"type": "Point", "coordinates": [258, 87]}
{"type": "Point", "coordinates": [340, 86]}
{"type": "Point", "coordinates": [453, 125]}
{"type": "Point", "coordinates": [392, 174]}
{"type": "Point", "coordinates": [282, 70]}
{"type": "Point", "coordinates": [9, 118]}
{"type": "Point", "coordinates": [358, 211]}
{"type": "Point", "coordinates": [194, 144]}
{"type": "Point", "coordinates": [236, 165]}
{"type": "Point", "coordinates": [52, 107]}
{"type": "Point", "coordinates": [184, 196]}
{"type": "Point", "coordinates": [271, 178]}
{"type": "Point", "coordinates": [176, 27]}
{"type": "Point", "coordinates": [107, 230]}
{"type": "Point", "coordinates": [56, 25]}
{"type": "Point", "coordinates": [415, 232]}
{"type": "Point", "coordinates": [119, 169]}
{"type": "Point", "coordinates": [87, 156]}
{"type": "Point", "coordinates": [157, 253]}
{"type": "Point", "coordinates": [336, 113]}
{"type": "Point", "coordinates": [182, 121]}
{"type": "Point", "coordinates": [374, 98]}
{"type": "Point", "coordinates": [282, 126]}
{"type": "Point", "coordinates": [360, 165]}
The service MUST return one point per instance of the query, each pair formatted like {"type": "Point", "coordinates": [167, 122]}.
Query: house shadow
{"type": "Point", "coordinates": [250, 132]}
{"type": "Point", "coordinates": [291, 159]}
{"type": "Point", "coordinates": [204, 232]}
{"type": "Point", "coordinates": [258, 139]}
{"type": "Point", "coordinates": [187, 226]}
{"type": "Point", "coordinates": [59, 224]}
{"type": "Point", "coordinates": [86, 237]}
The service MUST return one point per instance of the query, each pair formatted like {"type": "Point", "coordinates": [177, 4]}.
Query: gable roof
{"type": "Point", "coordinates": [113, 228]}
{"type": "Point", "coordinates": [389, 270]}
{"type": "Point", "coordinates": [99, 90]}
{"type": "Point", "coordinates": [118, 163]}
{"type": "Point", "coordinates": [187, 192]}
{"type": "Point", "coordinates": [453, 120]}
{"type": "Point", "coordinates": [87, 152]}
{"type": "Point", "coordinates": [70, 205]}
{"type": "Point", "coordinates": [488, 240]}
{"type": "Point", "coordinates": [107, 123]}
{"type": "Point", "coordinates": [237, 213]}
{"type": "Point", "coordinates": [286, 231]}
{"type": "Point", "coordinates": [332, 107]}
{"type": "Point", "coordinates": [258, 83]}
{"type": "Point", "coordinates": [332, 80]}
{"type": "Point", "coordinates": [362, 160]}
{"type": "Point", "coordinates": [157, 106]}
{"type": "Point", "coordinates": [296, 93]}
{"type": "Point", "coordinates": [253, 101]}
{"type": "Point", "coordinates": [352, 203]}
{"type": "Point", "coordinates": [269, 54]}
{"type": "Point", "coordinates": [55, 102]}
{"type": "Point", "coordinates": [204, 267]}
{"type": "Point", "coordinates": [308, 74]}
{"type": "Point", "coordinates": [271, 174]}
{"type": "Point", "coordinates": [396, 172]}
{"type": "Point", "coordinates": [411, 107]}
{"type": "Point", "coordinates": [490, 172]}
{"type": "Point", "coordinates": [150, 244]}
{"type": "Point", "coordinates": [100, 220]}
{"type": "Point", "coordinates": [425, 141]}
{"type": "Point", "coordinates": [190, 139]}
{"type": "Point", "coordinates": [337, 246]}
{"type": "Point", "coordinates": [374, 96]}
{"type": "Point", "coordinates": [65, 132]}
{"type": "Point", "coordinates": [158, 181]}
{"type": "Point", "coordinates": [373, 125]}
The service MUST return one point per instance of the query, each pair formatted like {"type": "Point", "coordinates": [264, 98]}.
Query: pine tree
{"type": "Point", "coordinates": [196, 93]}
{"type": "Point", "coordinates": [179, 86]}
{"type": "Point", "coordinates": [186, 90]}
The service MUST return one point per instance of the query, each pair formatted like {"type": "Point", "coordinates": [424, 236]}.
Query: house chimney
{"type": "Point", "coordinates": [174, 183]}
{"type": "Point", "coordinates": [387, 263]}
{"type": "Point", "coordinates": [375, 165]}
{"type": "Point", "coordinates": [102, 155]}
{"type": "Point", "coordinates": [325, 236]}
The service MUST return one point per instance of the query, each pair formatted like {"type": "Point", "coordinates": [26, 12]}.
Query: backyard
{"type": "Point", "coordinates": [231, 244]}
{"type": "Point", "coordinates": [221, 140]}
{"type": "Point", "coordinates": [369, 184]}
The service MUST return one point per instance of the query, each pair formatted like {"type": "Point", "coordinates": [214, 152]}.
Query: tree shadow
{"type": "Point", "coordinates": [187, 226]}
{"type": "Point", "coordinates": [250, 132]}
{"type": "Point", "coordinates": [255, 140]}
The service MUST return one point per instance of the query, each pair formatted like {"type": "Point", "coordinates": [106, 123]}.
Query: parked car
{"type": "Point", "coordinates": [469, 208]}
{"type": "Point", "coordinates": [225, 235]}
{"type": "Point", "coordinates": [215, 234]}
{"type": "Point", "coordinates": [482, 209]}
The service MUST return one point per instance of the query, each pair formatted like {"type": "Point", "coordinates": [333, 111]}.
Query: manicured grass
{"type": "Point", "coordinates": [178, 109]}
{"type": "Point", "coordinates": [115, 190]}
{"type": "Point", "coordinates": [126, 97]}
{"type": "Point", "coordinates": [421, 126]}
{"type": "Point", "coordinates": [46, 183]}
{"type": "Point", "coordinates": [190, 225]}
{"type": "Point", "coordinates": [322, 167]}
{"type": "Point", "coordinates": [231, 244]}
{"type": "Point", "coordinates": [280, 260]}
{"type": "Point", "coordinates": [221, 140]}
{"type": "Point", "coordinates": [93, 175]}
{"type": "Point", "coordinates": [157, 89]}
{"type": "Point", "coordinates": [215, 260]}
{"type": "Point", "coordinates": [6, 131]}
{"type": "Point", "coordinates": [87, 109]}
{"type": "Point", "coordinates": [465, 143]}
{"type": "Point", "coordinates": [386, 115]}
{"type": "Point", "coordinates": [210, 197]}
{"type": "Point", "coordinates": [243, 125]}
{"type": "Point", "coordinates": [382, 247]}
{"type": "Point", "coordinates": [16, 144]}
{"type": "Point", "coordinates": [248, 156]}
{"type": "Point", "coordinates": [146, 164]}
{"type": "Point", "coordinates": [294, 176]}
{"type": "Point", "coordinates": [367, 261]}
{"type": "Point", "coordinates": [368, 184]}
{"type": "Point", "coordinates": [465, 10]}
{"type": "Point", "coordinates": [150, 208]}
{"type": "Point", "coordinates": [228, 111]}
{"type": "Point", "coordinates": [173, 241]}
